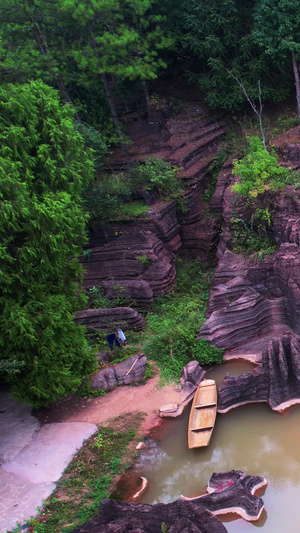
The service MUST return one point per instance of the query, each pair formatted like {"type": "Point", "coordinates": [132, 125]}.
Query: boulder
{"type": "Point", "coordinates": [104, 379]}
{"type": "Point", "coordinates": [178, 516]}
{"type": "Point", "coordinates": [191, 376]}
{"type": "Point", "coordinates": [129, 371]}
{"type": "Point", "coordinates": [133, 369]}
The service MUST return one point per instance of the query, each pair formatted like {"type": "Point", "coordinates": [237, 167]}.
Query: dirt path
{"type": "Point", "coordinates": [147, 398]}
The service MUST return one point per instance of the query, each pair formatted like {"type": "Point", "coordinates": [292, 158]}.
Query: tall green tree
{"type": "Point", "coordinates": [44, 167]}
{"type": "Point", "coordinates": [36, 43]}
{"type": "Point", "coordinates": [218, 36]}
{"type": "Point", "coordinates": [30, 46]}
{"type": "Point", "coordinates": [120, 39]}
{"type": "Point", "coordinates": [277, 31]}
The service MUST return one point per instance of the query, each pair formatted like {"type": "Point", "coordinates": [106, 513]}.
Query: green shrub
{"type": "Point", "coordinates": [155, 173]}
{"type": "Point", "coordinates": [119, 196]}
{"type": "Point", "coordinates": [98, 299]}
{"type": "Point", "coordinates": [93, 140]}
{"type": "Point", "coordinates": [143, 259]}
{"type": "Point", "coordinates": [259, 174]}
{"type": "Point", "coordinates": [252, 239]}
{"type": "Point", "coordinates": [86, 391]}
{"type": "Point", "coordinates": [259, 171]}
{"type": "Point", "coordinates": [285, 123]}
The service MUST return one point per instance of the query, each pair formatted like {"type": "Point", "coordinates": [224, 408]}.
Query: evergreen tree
{"type": "Point", "coordinates": [119, 38]}
{"type": "Point", "coordinates": [36, 43]}
{"type": "Point", "coordinates": [219, 35]}
{"type": "Point", "coordinates": [27, 35]}
{"type": "Point", "coordinates": [277, 30]}
{"type": "Point", "coordinates": [44, 167]}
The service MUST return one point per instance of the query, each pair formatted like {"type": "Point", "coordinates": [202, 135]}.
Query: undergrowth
{"type": "Point", "coordinates": [175, 320]}
{"type": "Point", "coordinates": [121, 196]}
{"type": "Point", "coordinates": [173, 323]}
{"type": "Point", "coordinates": [259, 178]}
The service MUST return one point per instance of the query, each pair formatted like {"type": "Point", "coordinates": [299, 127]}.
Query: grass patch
{"type": "Point", "coordinates": [172, 326]}
{"type": "Point", "coordinates": [89, 477]}
{"type": "Point", "coordinates": [130, 211]}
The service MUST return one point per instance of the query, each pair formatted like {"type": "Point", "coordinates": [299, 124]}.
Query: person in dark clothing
{"type": "Point", "coordinates": [112, 341]}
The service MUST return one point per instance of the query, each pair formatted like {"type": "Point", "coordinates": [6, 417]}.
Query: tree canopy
{"type": "Point", "coordinates": [44, 167]}
{"type": "Point", "coordinates": [219, 35]}
{"type": "Point", "coordinates": [277, 30]}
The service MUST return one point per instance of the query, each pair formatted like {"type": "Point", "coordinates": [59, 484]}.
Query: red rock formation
{"type": "Point", "coordinates": [178, 516]}
{"type": "Point", "coordinates": [190, 140]}
{"type": "Point", "coordinates": [232, 492]}
{"type": "Point", "coordinates": [275, 381]}
{"type": "Point", "coordinates": [238, 322]}
{"type": "Point", "coordinates": [192, 375]}
{"type": "Point", "coordinates": [117, 316]}
{"type": "Point", "coordinates": [254, 307]}
{"type": "Point", "coordinates": [287, 145]}
{"type": "Point", "coordinates": [135, 266]}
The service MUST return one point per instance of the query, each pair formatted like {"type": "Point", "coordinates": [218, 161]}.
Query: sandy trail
{"type": "Point", "coordinates": [147, 398]}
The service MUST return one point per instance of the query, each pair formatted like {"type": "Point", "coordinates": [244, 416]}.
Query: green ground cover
{"type": "Point", "coordinates": [89, 477]}
{"type": "Point", "coordinates": [173, 323]}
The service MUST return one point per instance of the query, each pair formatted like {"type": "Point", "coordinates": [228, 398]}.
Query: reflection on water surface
{"type": "Point", "coordinates": [251, 438]}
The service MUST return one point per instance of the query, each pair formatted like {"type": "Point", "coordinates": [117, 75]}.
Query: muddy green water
{"type": "Point", "coordinates": [251, 438]}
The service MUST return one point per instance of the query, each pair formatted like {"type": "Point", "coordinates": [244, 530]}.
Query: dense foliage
{"type": "Point", "coordinates": [277, 30]}
{"type": "Point", "coordinates": [100, 54]}
{"type": "Point", "coordinates": [259, 171]}
{"type": "Point", "coordinates": [104, 57]}
{"type": "Point", "coordinates": [42, 225]}
{"type": "Point", "coordinates": [259, 176]}
{"type": "Point", "coordinates": [121, 196]}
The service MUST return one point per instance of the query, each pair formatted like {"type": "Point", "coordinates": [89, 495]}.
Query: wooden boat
{"type": "Point", "coordinates": [203, 414]}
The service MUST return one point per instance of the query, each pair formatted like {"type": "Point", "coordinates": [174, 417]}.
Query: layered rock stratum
{"type": "Point", "coordinates": [254, 305]}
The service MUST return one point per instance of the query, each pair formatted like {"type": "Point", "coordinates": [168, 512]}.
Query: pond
{"type": "Point", "coordinates": [251, 438]}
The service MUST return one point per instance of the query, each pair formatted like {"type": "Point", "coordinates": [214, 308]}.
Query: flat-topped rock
{"type": "Point", "coordinates": [114, 316]}
{"type": "Point", "coordinates": [129, 371]}
{"type": "Point", "coordinates": [167, 409]}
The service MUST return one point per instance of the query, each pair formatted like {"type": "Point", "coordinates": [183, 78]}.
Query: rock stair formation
{"type": "Point", "coordinates": [190, 140]}
{"type": "Point", "coordinates": [275, 381]}
{"type": "Point", "coordinates": [114, 316]}
{"type": "Point", "coordinates": [117, 268]}
{"type": "Point", "coordinates": [254, 307]}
